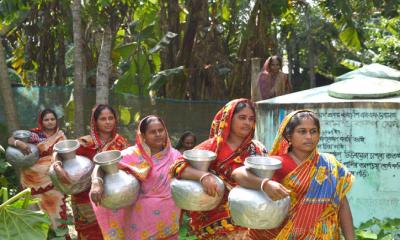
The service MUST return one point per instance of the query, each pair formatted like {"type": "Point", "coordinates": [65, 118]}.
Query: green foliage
{"type": "Point", "coordinates": [8, 176]}
{"type": "Point", "coordinates": [386, 229]}
{"type": "Point", "coordinates": [19, 223]}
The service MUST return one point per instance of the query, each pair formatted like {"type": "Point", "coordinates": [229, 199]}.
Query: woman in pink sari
{"type": "Point", "coordinates": [154, 215]}
{"type": "Point", "coordinates": [272, 82]}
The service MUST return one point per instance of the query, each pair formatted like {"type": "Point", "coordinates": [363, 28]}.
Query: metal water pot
{"type": "Point", "coordinates": [16, 158]}
{"type": "Point", "coordinates": [254, 209]}
{"type": "Point", "coordinates": [189, 194]}
{"type": "Point", "coordinates": [120, 188]}
{"type": "Point", "coordinates": [79, 168]}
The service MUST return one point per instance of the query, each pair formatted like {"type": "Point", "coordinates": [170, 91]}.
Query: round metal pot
{"type": "Point", "coordinates": [120, 188]}
{"type": "Point", "coordinates": [189, 195]}
{"type": "Point", "coordinates": [16, 158]}
{"type": "Point", "coordinates": [79, 168]}
{"type": "Point", "coordinates": [254, 209]}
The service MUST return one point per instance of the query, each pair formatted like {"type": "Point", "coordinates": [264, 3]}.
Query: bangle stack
{"type": "Point", "coordinates": [204, 175]}
{"type": "Point", "coordinates": [15, 142]}
{"type": "Point", "coordinates": [264, 181]}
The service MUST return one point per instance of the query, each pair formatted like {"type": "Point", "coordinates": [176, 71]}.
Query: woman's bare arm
{"type": "Point", "coordinates": [346, 220]}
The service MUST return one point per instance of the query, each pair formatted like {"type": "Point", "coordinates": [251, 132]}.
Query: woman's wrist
{"type": "Point", "coordinates": [263, 182]}
{"type": "Point", "coordinates": [203, 176]}
{"type": "Point", "coordinates": [98, 180]}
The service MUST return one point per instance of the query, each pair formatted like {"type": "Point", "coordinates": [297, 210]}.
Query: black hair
{"type": "Point", "coordinates": [296, 120]}
{"type": "Point", "coordinates": [276, 57]}
{"type": "Point", "coordinates": [145, 122]}
{"type": "Point", "coordinates": [47, 111]}
{"type": "Point", "coordinates": [183, 137]}
{"type": "Point", "coordinates": [100, 108]}
{"type": "Point", "coordinates": [242, 105]}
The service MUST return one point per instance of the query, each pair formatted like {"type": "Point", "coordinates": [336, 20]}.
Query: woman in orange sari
{"type": "Point", "coordinates": [316, 182]}
{"type": "Point", "coordinates": [103, 136]}
{"type": "Point", "coordinates": [36, 177]}
{"type": "Point", "coordinates": [231, 137]}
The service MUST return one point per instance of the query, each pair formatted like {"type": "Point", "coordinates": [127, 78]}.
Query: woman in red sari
{"type": "Point", "coordinates": [36, 177]}
{"type": "Point", "coordinates": [231, 137]}
{"type": "Point", "coordinates": [103, 136]}
{"type": "Point", "coordinates": [316, 182]}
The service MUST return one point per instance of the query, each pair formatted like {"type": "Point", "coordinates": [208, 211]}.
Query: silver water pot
{"type": "Point", "coordinates": [189, 194]}
{"type": "Point", "coordinates": [79, 168]}
{"type": "Point", "coordinates": [16, 158]}
{"type": "Point", "coordinates": [120, 188]}
{"type": "Point", "coordinates": [254, 209]}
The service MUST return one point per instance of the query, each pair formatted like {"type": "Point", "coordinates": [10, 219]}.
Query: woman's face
{"type": "Point", "coordinates": [49, 121]}
{"type": "Point", "coordinates": [305, 136]}
{"type": "Point", "coordinates": [106, 121]}
{"type": "Point", "coordinates": [274, 66]}
{"type": "Point", "coordinates": [243, 122]}
{"type": "Point", "coordinates": [155, 135]}
{"type": "Point", "coordinates": [188, 142]}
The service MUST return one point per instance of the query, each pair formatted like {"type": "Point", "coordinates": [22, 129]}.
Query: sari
{"type": "Point", "coordinates": [217, 223]}
{"type": "Point", "coordinates": [37, 176]}
{"type": "Point", "coordinates": [269, 85]}
{"type": "Point", "coordinates": [317, 187]}
{"type": "Point", "coordinates": [154, 215]}
{"type": "Point", "coordinates": [84, 218]}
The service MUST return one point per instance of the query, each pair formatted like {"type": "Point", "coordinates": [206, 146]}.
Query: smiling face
{"type": "Point", "coordinates": [155, 135]}
{"type": "Point", "coordinates": [305, 136]}
{"type": "Point", "coordinates": [106, 121]}
{"type": "Point", "coordinates": [49, 122]}
{"type": "Point", "coordinates": [243, 122]}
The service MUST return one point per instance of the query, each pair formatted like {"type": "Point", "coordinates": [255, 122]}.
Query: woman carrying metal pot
{"type": "Point", "coordinates": [103, 136]}
{"type": "Point", "coordinates": [231, 135]}
{"type": "Point", "coordinates": [316, 182]}
{"type": "Point", "coordinates": [36, 177]}
{"type": "Point", "coordinates": [154, 215]}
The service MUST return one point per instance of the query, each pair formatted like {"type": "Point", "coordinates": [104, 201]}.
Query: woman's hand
{"type": "Point", "coordinates": [210, 185]}
{"type": "Point", "coordinates": [275, 190]}
{"type": "Point", "coordinates": [96, 191]}
{"type": "Point", "coordinates": [23, 147]}
{"type": "Point", "coordinates": [61, 173]}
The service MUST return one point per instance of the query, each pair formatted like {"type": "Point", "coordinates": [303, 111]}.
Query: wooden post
{"type": "Point", "coordinates": [255, 71]}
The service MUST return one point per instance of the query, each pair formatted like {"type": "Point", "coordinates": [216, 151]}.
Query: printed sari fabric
{"type": "Point", "coordinates": [269, 85]}
{"type": "Point", "coordinates": [37, 177]}
{"type": "Point", "coordinates": [154, 215]}
{"type": "Point", "coordinates": [84, 218]}
{"type": "Point", "coordinates": [317, 187]}
{"type": "Point", "coordinates": [217, 223]}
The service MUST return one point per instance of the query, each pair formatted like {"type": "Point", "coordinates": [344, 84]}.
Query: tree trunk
{"type": "Point", "coordinates": [78, 68]}
{"type": "Point", "coordinates": [311, 51]}
{"type": "Point", "coordinates": [6, 92]}
{"type": "Point", "coordinates": [103, 68]}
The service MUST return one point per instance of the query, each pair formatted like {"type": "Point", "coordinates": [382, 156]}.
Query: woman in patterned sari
{"type": "Point", "coordinates": [103, 136]}
{"type": "Point", "coordinates": [36, 177]}
{"type": "Point", "coordinates": [231, 137]}
{"type": "Point", "coordinates": [154, 215]}
{"type": "Point", "coordinates": [316, 182]}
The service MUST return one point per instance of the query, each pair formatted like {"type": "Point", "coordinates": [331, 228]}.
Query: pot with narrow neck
{"type": "Point", "coordinates": [15, 157]}
{"type": "Point", "coordinates": [120, 188]}
{"type": "Point", "coordinates": [253, 208]}
{"type": "Point", "coordinates": [78, 168]}
{"type": "Point", "coordinates": [189, 194]}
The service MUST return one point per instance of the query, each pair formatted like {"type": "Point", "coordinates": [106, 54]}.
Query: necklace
{"type": "Point", "coordinates": [298, 162]}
